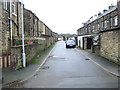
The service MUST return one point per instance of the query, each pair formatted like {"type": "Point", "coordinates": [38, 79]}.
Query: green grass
{"type": "Point", "coordinates": [42, 53]}
{"type": "Point", "coordinates": [35, 60]}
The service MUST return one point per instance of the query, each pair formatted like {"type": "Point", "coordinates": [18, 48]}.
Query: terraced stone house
{"type": "Point", "coordinates": [37, 35]}
{"type": "Point", "coordinates": [10, 28]}
{"type": "Point", "coordinates": [101, 33]}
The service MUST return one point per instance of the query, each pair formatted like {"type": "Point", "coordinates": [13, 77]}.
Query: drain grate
{"type": "Point", "coordinates": [56, 58]}
{"type": "Point", "coordinates": [45, 67]}
{"type": "Point", "coordinates": [87, 59]}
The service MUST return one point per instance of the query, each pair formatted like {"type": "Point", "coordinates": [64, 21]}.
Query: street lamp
{"type": "Point", "coordinates": [23, 46]}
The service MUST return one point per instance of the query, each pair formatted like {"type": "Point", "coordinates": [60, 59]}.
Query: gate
{"type": "Point", "coordinates": [5, 61]}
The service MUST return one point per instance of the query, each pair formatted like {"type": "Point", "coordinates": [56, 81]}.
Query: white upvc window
{"type": "Point", "coordinates": [98, 27]}
{"type": "Point", "coordinates": [89, 29]}
{"type": "Point", "coordinates": [102, 24]}
{"type": "Point", "coordinates": [86, 30]}
{"type": "Point", "coordinates": [93, 28]}
{"type": "Point", "coordinates": [5, 4]}
{"type": "Point", "coordinates": [116, 20]}
{"type": "Point", "coordinates": [13, 8]}
{"type": "Point", "coordinates": [111, 21]}
{"type": "Point", "coordinates": [105, 24]}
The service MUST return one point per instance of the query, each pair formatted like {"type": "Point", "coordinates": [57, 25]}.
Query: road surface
{"type": "Point", "coordinates": [68, 68]}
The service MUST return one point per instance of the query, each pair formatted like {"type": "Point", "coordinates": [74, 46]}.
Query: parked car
{"type": "Point", "coordinates": [70, 43]}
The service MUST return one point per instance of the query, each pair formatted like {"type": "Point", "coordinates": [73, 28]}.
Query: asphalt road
{"type": "Point", "coordinates": [67, 68]}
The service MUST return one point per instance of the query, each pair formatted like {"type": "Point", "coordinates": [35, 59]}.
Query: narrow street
{"type": "Point", "coordinates": [67, 68]}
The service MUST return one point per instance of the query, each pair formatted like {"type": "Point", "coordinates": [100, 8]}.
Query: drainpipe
{"type": "Point", "coordinates": [23, 46]}
{"type": "Point", "coordinates": [11, 22]}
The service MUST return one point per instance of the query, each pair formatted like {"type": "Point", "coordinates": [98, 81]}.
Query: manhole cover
{"type": "Point", "coordinates": [45, 67]}
{"type": "Point", "coordinates": [87, 59]}
{"type": "Point", "coordinates": [53, 56]}
{"type": "Point", "coordinates": [50, 56]}
{"type": "Point", "coordinates": [56, 58]}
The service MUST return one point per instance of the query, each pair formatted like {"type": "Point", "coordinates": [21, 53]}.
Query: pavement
{"type": "Point", "coordinates": [13, 77]}
{"type": "Point", "coordinates": [102, 62]}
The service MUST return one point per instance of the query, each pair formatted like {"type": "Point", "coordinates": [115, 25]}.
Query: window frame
{"type": "Point", "coordinates": [105, 24]}
{"type": "Point", "coordinates": [98, 26]}
{"type": "Point", "coordinates": [111, 22]}
{"type": "Point", "coordinates": [5, 4]}
{"type": "Point", "coordinates": [14, 9]}
{"type": "Point", "coordinates": [115, 20]}
{"type": "Point", "coordinates": [93, 28]}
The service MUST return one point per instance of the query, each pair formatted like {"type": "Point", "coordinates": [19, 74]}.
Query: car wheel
{"type": "Point", "coordinates": [66, 46]}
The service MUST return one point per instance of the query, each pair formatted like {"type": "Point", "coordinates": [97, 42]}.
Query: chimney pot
{"type": "Point", "coordinates": [104, 10]}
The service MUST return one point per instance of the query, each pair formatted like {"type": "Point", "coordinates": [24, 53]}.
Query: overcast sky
{"type": "Point", "coordinates": [66, 16]}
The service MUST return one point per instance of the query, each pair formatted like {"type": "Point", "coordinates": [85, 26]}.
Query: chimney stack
{"type": "Point", "coordinates": [110, 7]}
{"type": "Point", "coordinates": [104, 10]}
{"type": "Point", "coordinates": [99, 13]}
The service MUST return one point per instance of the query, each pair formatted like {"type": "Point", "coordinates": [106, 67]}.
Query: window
{"type": "Point", "coordinates": [116, 20]}
{"type": "Point", "coordinates": [93, 28]}
{"type": "Point", "coordinates": [5, 4]}
{"type": "Point", "coordinates": [111, 22]}
{"type": "Point", "coordinates": [102, 25]}
{"type": "Point", "coordinates": [105, 24]}
{"type": "Point", "coordinates": [13, 8]}
{"type": "Point", "coordinates": [98, 27]}
{"type": "Point", "coordinates": [89, 30]}
{"type": "Point", "coordinates": [86, 30]}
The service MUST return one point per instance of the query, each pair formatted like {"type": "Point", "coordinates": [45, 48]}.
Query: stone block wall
{"type": "Point", "coordinates": [0, 28]}
{"type": "Point", "coordinates": [28, 24]}
{"type": "Point", "coordinates": [31, 50]}
{"type": "Point", "coordinates": [5, 31]}
{"type": "Point", "coordinates": [16, 57]}
{"type": "Point", "coordinates": [110, 45]}
{"type": "Point", "coordinates": [119, 46]}
{"type": "Point", "coordinates": [19, 19]}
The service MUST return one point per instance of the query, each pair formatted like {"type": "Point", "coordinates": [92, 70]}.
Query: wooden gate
{"type": "Point", "coordinates": [5, 61]}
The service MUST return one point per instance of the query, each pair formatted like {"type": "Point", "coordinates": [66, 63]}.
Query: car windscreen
{"type": "Point", "coordinates": [70, 41]}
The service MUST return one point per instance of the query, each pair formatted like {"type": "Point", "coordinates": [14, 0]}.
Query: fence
{"type": "Point", "coordinates": [5, 61]}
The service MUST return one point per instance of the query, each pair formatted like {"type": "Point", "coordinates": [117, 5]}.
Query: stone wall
{"type": "Point", "coordinates": [0, 35]}
{"type": "Point", "coordinates": [28, 24]}
{"type": "Point", "coordinates": [110, 45]}
{"type": "Point", "coordinates": [119, 46]}
{"type": "Point", "coordinates": [31, 50]}
{"type": "Point", "coordinates": [16, 57]}
{"type": "Point", "coordinates": [0, 27]}
{"type": "Point", "coordinates": [5, 30]}
{"type": "Point", "coordinates": [16, 26]}
{"type": "Point", "coordinates": [19, 19]}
